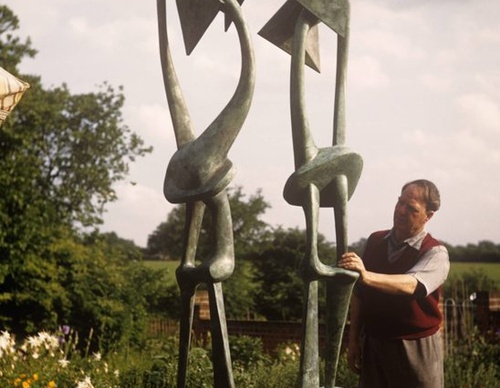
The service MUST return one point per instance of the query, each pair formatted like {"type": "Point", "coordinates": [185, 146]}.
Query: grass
{"type": "Point", "coordinates": [169, 265]}
{"type": "Point", "coordinates": [491, 270]}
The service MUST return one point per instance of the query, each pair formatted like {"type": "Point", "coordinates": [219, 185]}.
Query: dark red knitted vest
{"type": "Point", "coordinates": [397, 316]}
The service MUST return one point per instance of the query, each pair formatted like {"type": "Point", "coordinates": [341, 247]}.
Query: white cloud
{"type": "Point", "coordinates": [366, 72]}
{"type": "Point", "coordinates": [152, 121]}
{"type": "Point", "coordinates": [137, 213]}
{"type": "Point", "coordinates": [437, 83]}
{"type": "Point", "coordinates": [481, 113]}
{"type": "Point", "coordinates": [129, 34]}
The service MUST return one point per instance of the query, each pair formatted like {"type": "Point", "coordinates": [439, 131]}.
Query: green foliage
{"type": "Point", "coordinates": [460, 285]}
{"type": "Point", "coordinates": [280, 294]}
{"type": "Point", "coordinates": [61, 155]}
{"type": "Point", "coordinates": [12, 49]}
{"type": "Point", "coordinates": [249, 231]}
{"type": "Point", "coordinates": [472, 362]}
{"type": "Point", "coordinates": [459, 270]}
{"type": "Point", "coordinates": [346, 378]}
{"type": "Point", "coordinates": [108, 302]}
{"type": "Point", "coordinates": [70, 149]}
{"type": "Point", "coordinates": [43, 361]}
{"type": "Point", "coordinates": [166, 242]}
{"type": "Point", "coordinates": [483, 252]}
{"type": "Point", "coordinates": [247, 350]}
{"type": "Point", "coordinates": [240, 291]}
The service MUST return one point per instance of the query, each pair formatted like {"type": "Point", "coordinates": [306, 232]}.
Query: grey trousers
{"type": "Point", "coordinates": [403, 363]}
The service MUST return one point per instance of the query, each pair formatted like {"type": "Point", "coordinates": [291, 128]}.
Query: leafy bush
{"type": "Point", "coordinates": [47, 361]}
{"type": "Point", "coordinates": [472, 362]}
{"type": "Point", "coordinates": [247, 350]}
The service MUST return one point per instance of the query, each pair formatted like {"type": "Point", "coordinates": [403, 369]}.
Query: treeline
{"type": "Point", "coordinates": [483, 252]}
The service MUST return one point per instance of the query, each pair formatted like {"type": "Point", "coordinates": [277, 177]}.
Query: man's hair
{"type": "Point", "coordinates": [431, 195]}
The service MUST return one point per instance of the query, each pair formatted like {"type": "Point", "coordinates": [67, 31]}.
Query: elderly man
{"type": "Point", "coordinates": [395, 305]}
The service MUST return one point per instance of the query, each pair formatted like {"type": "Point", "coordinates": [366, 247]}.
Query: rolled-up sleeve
{"type": "Point", "coordinates": [432, 268]}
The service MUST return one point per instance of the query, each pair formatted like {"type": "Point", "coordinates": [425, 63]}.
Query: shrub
{"type": "Point", "coordinates": [247, 350]}
{"type": "Point", "coordinates": [472, 362]}
{"type": "Point", "coordinates": [45, 361]}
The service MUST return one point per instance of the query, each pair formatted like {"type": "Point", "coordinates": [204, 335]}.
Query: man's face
{"type": "Point", "coordinates": [410, 213]}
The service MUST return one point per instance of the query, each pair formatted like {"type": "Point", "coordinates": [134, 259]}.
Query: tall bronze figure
{"type": "Point", "coordinates": [198, 174]}
{"type": "Point", "coordinates": [323, 177]}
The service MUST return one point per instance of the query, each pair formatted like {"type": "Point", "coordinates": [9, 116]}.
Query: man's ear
{"type": "Point", "coordinates": [429, 215]}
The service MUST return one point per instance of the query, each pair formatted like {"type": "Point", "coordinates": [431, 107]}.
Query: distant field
{"type": "Point", "coordinates": [492, 270]}
{"type": "Point", "coordinates": [170, 266]}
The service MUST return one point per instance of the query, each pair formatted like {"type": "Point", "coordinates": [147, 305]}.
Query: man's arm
{"type": "Point", "coordinates": [392, 284]}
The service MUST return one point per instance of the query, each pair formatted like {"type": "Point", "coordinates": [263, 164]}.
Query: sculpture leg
{"type": "Point", "coordinates": [220, 264]}
{"type": "Point", "coordinates": [221, 356]}
{"type": "Point", "coordinates": [187, 285]}
{"type": "Point", "coordinates": [338, 296]}
{"type": "Point", "coordinates": [186, 323]}
{"type": "Point", "coordinates": [309, 357]}
{"type": "Point", "coordinates": [338, 288]}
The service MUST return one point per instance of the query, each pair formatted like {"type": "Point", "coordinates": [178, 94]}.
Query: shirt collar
{"type": "Point", "coordinates": [414, 241]}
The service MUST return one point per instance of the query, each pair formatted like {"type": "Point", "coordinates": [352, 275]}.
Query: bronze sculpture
{"type": "Point", "coordinates": [198, 174]}
{"type": "Point", "coordinates": [323, 177]}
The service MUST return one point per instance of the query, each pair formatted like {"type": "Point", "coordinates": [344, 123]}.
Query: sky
{"type": "Point", "coordinates": [423, 101]}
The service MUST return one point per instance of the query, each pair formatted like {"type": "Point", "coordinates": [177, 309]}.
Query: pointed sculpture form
{"type": "Point", "coordinates": [11, 91]}
{"type": "Point", "coordinates": [198, 174]}
{"type": "Point", "coordinates": [323, 177]}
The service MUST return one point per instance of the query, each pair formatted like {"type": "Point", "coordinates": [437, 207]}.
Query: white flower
{"type": "Point", "coordinates": [4, 340]}
{"type": "Point", "coordinates": [97, 356]}
{"type": "Point", "coordinates": [43, 336]}
{"type": "Point", "coordinates": [6, 343]}
{"type": "Point", "coordinates": [85, 383]}
{"type": "Point", "coordinates": [53, 342]}
{"type": "Point", "coordinates": [34, 342]}
{"type": "Point", "coordinates": [63, 362]}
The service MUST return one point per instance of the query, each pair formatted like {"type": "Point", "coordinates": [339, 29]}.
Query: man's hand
{"type": "Point", "coordinates": [353, 262]}
{"type": "Point", "coordinates": [404, 284]}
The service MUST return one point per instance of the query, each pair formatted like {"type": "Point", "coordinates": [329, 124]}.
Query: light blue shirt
{"type": "Point", "coordinates": [431, 270]}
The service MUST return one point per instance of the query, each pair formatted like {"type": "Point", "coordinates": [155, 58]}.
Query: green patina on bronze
{"type": "Point", "coordinates": [198, 174]}
{"type": "Point", "coordinates": [323, 177]}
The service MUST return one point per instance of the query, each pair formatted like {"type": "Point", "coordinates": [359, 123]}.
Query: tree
{"type": "Point", "coordinates": [484, 251]}
{"type": "Point", "coordinates": [61, 155]}
{"type": "Point", "coordinates": [280, 292]}
{"type": "Point", "coordinates": [77, 146]}
{"type": "Point", "coordinates": [12, 50]}
{"type": "Point", "coordinates": [167, 239]}
{"type": "Point", "coordinates": [249, 230]}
